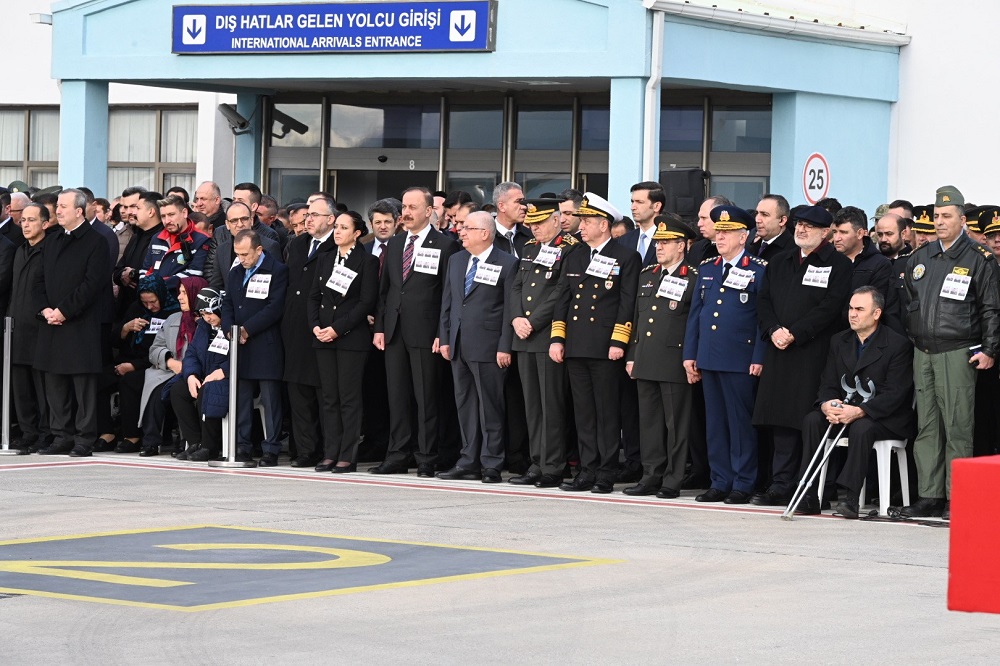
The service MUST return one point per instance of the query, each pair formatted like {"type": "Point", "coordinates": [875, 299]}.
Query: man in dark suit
{"type": "Point", "coordinates": [476, 339]}
{"type": "Point", "coordinates": [773, 233]}
{"type": "Point", "coordinates": [511, 234]}
{"type": "Point", "coordinates": [73, 289]}
{"type": "Point", "coordinates": [655, 361]}
{"type": "Point", "coordinates": [704, 248]}
{"type": "Point", "coordinates": [139, 210]}
{"type": "Point", "coordinates": [406, 328]}
{"type": "Point", "coordinates": [238, 217]}
{"type": "Point", "coordinates": [10, 225]}
{"type": "Point", "coordinates": [591, 327]}
{"type": "Point", "coordinates": [301, 372]}
{"type": "Point", "coordinates": [255, 301]}
{"type": "Point", "coordinates": [530, 304]}
{"type": "Point", "coordinates": [868, 352]}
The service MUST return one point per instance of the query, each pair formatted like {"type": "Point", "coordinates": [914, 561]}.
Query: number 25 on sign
{"type": "Point", "coordinates": [816, 178]}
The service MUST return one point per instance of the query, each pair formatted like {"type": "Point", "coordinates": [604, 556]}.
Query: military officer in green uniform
{"type": "Point", "coordinates": [655, 360]}
{"type": "Point", "coordinates": [953, 318]}
{"type": "Point", "coordinates": [530, 304]}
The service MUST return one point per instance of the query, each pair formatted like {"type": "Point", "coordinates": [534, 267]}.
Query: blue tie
{"type": "Point", "coordinates": [642, 245]}
{"type": "Point", "coordinates": [470, 276]}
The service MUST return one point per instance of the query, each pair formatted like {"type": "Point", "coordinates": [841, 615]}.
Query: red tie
{"type": "Point", "coordinates": [381, 258]}
{"type": "Point", "coordinates": [408, 257]}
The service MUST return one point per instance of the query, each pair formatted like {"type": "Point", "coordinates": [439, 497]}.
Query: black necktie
{"type": "Point", "coordinates": [725, 271]}
{"type": "Point", "coordinates": [312, 248]}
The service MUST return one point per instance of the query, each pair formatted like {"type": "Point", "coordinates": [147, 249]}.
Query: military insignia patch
{"type": "Point", "coordinates": [744, 297]}
{"type": "Point", "coordinates": [918, 271]}
{"type": "Point", "coordinates": [959, 270]}
{"type": "Point", "coordinates": [673, 305]}
{"type": "Point", "coordinates": [609, 284]}
{"type": "Point", "coordinates": [548, 276]}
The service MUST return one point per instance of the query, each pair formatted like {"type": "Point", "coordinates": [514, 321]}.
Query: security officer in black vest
{"type": "Point", "coordinates": [655, 360]}
{"type": "Point", "coordinates": [530, 305]}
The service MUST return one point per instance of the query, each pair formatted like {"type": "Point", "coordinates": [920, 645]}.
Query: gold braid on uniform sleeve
{"type": "Point", "coordinates": [622, 333]}
{"type": "Point", "coordinates": [558, 330]}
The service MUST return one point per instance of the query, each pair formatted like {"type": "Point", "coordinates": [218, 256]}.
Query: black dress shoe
{"type": "Point", "coordinates": [343, 469]}
{"type": "Point", "coordinates": [199, 454]}
{"type": "Point", "coordinates": [492, 476]}
{"type": "Point", "coordinates": [245, 457]}
{"type": "Point", "coordinates": [640, 490]}
{"type": "Point", "coordinates": [302, 461]}
{"type": "Point", "coordinates": [80, 452]}
{"type": "Point", "coordinates": [457, 473]}
{"type": "Point", "coordinates": [712, 495]}
{"type": "Point", "coordinates": [629, 474]}
{"type": "Point", "coordinates": [847, 509]}
{"type": "Point", "coordinates": [668, 493]}
{"type": "Point", "coordinates": [809, 506]}
{"type": "Point", "coordinates": [126, 446]}
{"type": "Point", "coordinates": [578, 485]}
{"type": "Point", "coordinates": [528, 479]}
{"type": "Point", "coordinates": [102, 445]}
{"type": "Point", "coordinates": [737, 497]}
{"type": "Point", "coordinates": [549, 481]}
{"type": "Point", "coordinates": [149, 451]}
{"type": "Point", "coordinates": [603, 486]}
{"type": "Point", "coordinates": [770, 498]}
{"type": "Point", "coordinates": [925, 507]}
{"type": "Point", "coordinates": [946, 513]}
{"type": "Point", "coordinates": [389, 468]}
{"type": "Point", "coordinates": [56, 450]}
{"type": "Point", "coordinates": [268, 460]}
{"type": "Point", "coordinates": [325, 466]}
{"type": "Point", "coordinates": [425, 471]}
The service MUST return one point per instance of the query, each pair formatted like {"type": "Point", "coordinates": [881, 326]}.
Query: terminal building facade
{"type": "Point", "coordinates": [364, 99]}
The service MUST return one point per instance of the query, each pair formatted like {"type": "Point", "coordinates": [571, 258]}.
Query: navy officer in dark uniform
{"type": "Point", "coordinates": [591, 328]}
{"type": "Point", "coordinates": [724, 348]}
{"type": "Point", "coordinates": [655, 360]}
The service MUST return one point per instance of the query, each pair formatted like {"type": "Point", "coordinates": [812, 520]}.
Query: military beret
{"type": "Point", "coordinates": [948, 196]}
{"type": "Point", "coordinates": [814, 216]}
{"type": "Point", "coordinates": [731, 218]}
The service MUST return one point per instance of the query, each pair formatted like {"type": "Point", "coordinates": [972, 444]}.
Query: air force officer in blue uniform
{"type": "Point", "coordinates": [723, 347]}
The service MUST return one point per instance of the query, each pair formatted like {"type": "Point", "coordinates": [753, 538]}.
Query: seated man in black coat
{"type": "Point", "coordinates": [868, 352]}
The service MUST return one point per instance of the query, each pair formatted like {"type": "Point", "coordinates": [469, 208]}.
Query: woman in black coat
{"type": "Point", "coordinates": [342, 297]}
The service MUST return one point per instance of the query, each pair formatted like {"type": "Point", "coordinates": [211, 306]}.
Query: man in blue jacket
{"type": "Point", "coordinates": [255, 301]}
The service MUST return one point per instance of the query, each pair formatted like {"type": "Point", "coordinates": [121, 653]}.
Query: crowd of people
{"type": "Point", "coordinates": [553, 338]}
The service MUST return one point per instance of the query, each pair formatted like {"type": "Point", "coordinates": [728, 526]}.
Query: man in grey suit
{"type": "Point", "coordinates": [477, 340]}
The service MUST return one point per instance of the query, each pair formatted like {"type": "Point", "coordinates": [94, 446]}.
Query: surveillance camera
{"type": "Point", "coordinates": [237, 123]}
{"type": "Point", "coordinates": [288, 124]}
{"type": "Point", "coordinates": [383, 159]}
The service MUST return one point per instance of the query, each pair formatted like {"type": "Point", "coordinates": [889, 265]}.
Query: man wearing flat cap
{"type": "Point", "coordinates": [724, 350]}
{"type": "Point", "coordinates": [800, 308]}
{"type": "Point", "coordinates": [655, 360]}
{"type": "Point", "coordinates": [953, 318]}
{"type": "Point", "coordinates": [591, 329]}
{"type": "Point", "coordinates": [530, 305]}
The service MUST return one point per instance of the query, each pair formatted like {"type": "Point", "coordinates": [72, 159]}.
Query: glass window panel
{"type": "Point", "coordinates": [179, 141]}
{"type": "Point", "coordinates": [284, 133]}
{"type": "Point", "coordinates": [11, 137]}
{"type": "Point", "coordinates": [42, 178]}
{"type": "Point", "coordinates": [475, 128]}
{"type": "Point", "coordinates": [131, 136]}
{"type": "Point", "coordinates": [741, 129]}
{"type": "Point", "coordinates": [9, 174]}
{"type": "Point", "coordinates": [744, 191]}
{"type": "Point", "coordinates": [680, 129]}
{"type": "Point", "coordinates": [288, 185]}
{"type": "Point", "coordinates": [121, 177]}
{"type": "Point", "coordinates": [479, 184]}
{"type": "Point", "coordinates": [43, 143]}
{"type": "Point", "coordinates": [359, 189]}
{"type": "Point", "coordinates": [535, 184]}
{"type": "Point", "coordinates": [185, 180]}
{"type": "Point", "coordinates": [544, 128]}
{"type": "Point", "coordinates": [595, 127]}
{"type": "Point", "coordinates": [384, 126]}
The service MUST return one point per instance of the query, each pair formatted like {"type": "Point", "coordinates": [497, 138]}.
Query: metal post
{"type": "Point", "coordinates": [8, 330]}
{"type": "Point", "coordinates": [230, 434]}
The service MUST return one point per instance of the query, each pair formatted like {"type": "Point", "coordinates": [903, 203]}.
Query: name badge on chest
{"type": "Point", "coordinates": [259, 286]}
{"type": "Point", "coordinates": [671, 287]}
{"type": "Point", "coordinates": [547, 256]}
{"type": "Point", "coordinates": [220, 345]}
{"type": "Point", "coordinates": [487, 274]}
{"type": "Point", "coordinates": [427, 260]}
{"type": "Point", "coordinates": [955, 287]}
{"type": "Point", "coordinates": [601, 266]}
{"type": "Point", "coordinates": [341, 279]}
{"type": "Point", "coordinates": [817, 276]}
{"type": "Point", "coordinates": [738, 278]}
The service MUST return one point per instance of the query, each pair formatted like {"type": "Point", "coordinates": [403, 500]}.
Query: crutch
{"type": "Point", "coordinates": [800, 490]}
{"type": "Point", "coordinates": [827, 447]}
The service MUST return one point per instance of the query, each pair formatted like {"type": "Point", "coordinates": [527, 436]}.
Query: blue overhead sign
{"type": "Point", "coordinates": [445, 25]}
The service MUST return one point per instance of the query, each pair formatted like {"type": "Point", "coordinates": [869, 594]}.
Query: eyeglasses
{"type": "Point", "coordinates": [238, 220]}
{"type": "Point", "coordinates": [465, 228]}
{"type": "Point", "coordinates": [316, 215]}
{"type": "Point", "coordinates": [16, 210]}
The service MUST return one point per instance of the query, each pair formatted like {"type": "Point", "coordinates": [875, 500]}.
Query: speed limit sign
{"type": "Point", "coordinates": [816, 178]}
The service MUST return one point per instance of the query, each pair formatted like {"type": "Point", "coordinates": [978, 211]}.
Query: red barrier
{"type": "Point", "coordinates": [974, 559]}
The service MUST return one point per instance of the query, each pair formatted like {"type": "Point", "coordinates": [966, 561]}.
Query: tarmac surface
{"type": "Point", "coordinates": [283, 566]}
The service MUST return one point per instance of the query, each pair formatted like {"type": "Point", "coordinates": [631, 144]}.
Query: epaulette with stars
{"type": "Point", "coordinates": [533, 241]}
{"type": "Point", "coordinates": [984, 251]}
{"type": "Point", "coordinates": [757, 260]}
{"type": "Point", "coordinates": [707, 261]}
{"type": "Point", "coordinates": [569, 239]}
{"type": "Point", "coordinates": [648, 268]}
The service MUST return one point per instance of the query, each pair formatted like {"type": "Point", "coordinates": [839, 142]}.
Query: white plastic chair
{"type": "Point", "coordinates": [884, 448]}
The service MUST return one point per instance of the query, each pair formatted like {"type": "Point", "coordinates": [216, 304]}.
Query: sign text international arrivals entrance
{"type": "Point", "coordinates": [370, 27]}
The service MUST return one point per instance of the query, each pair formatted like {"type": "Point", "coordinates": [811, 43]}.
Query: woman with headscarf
{"type": "Point", "coordinates": [166, 357]}
{"type": "Point", "coordinates": [142, 322]}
